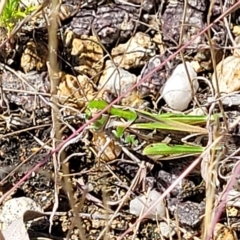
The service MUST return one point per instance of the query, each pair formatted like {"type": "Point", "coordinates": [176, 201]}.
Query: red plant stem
{"type": "Point", "coordinates": [42, 162]}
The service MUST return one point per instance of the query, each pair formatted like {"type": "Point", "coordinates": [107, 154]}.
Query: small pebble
{"type": "Point", "coordinates": [116, 80]}
{"type": "Point", "coordinates": [138, 203]}
{"type": "Point", "coordinates": [166, 230]}
{"type": "Point", "coordinates": [177, 91]}
{"type": "Point", "coordinates": [190, 213]}
{"type": "Point", "coordinates": [228, 75]}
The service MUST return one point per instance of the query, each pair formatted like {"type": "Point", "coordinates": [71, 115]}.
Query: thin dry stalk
{"type": "Point", "coordinates": [180, 43]}
{"type": "Point", "coordinates": [227, 24]}
{"type": "Point", "coordinates": [76, 210]}
{"type": "Point", "coordinates": [209, 174]}
{"type": "Point", "coordinates": [210, 191]}
{"type": "Point", "coordinates": [135, 180]}
{"type": "Point", "coordinates": [22, 78]}
{"type": "Point", "coordinates": [54, 80]}
{"type": "Point", "coordinates": [56, 133]}
{"type": "Point", "coordinates": [24, 130]}
{"type": "Point", "coordinates": [212, 171]}
{"type": "Point", "coordinates": [105, 200]}
{"type": "Point", "coordinates": [228, 187]}
{"type": "Point", "coordinates": [213, 57]}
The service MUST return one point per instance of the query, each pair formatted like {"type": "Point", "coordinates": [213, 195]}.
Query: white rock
{"type": "Point", "coordinates": [177, 90]}
{"type": "Point", "coordinates": [116, 80]}
{"type": "Point", "coordinates": [138, 203]}
{"type": "Point", "coordinates": [15, 208]}
{"type": "Point", "coordinates": [228, 75]}
{"type": "Point", "coordinates": [166, 230]}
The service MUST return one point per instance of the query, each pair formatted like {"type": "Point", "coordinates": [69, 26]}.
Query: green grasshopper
{"type": "Point", "coordinates": [166, 122]}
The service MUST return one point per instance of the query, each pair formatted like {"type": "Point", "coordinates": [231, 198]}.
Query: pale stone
{"type": "Point", "coordinates": [15, 208]}
{"type": "Point", "coordinates": [177, 91]}
{"type": "Point", "coordinates": [134, 53]}
{"type": "Point", "coordinates": [142, 203]}
{"type": "Point", "coordinates": [228, 75]}
{"type": "Point", "coordinates": [166, 230]}
{"type": "Point", "coordinates": [116, 80]}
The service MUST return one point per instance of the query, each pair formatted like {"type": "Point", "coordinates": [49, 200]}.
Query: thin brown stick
{"type": "Point", "coordinates": [54, 80]}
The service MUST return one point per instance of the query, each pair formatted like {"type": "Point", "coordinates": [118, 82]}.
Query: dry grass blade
{"type": "Point", "coordinates": [218, 211]}
{"type": "Point", "coordinates": [134, 182]}
{"type": "Point", "coordinates": [54, 80]}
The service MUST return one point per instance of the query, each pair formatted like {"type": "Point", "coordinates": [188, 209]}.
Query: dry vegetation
{"type": "Point", "coordinates": [84, 128]}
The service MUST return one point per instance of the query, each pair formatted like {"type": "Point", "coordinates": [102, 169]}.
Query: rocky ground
{"type": "Point", "coordinates": [97, 182]}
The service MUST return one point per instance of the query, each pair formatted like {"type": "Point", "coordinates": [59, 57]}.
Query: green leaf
{"type": "Point", "coordinates": [166, 149]}
{"type": "Point", "coordinates": [88, 114]}
{"type": "Point", "coordinates": [100, 123]}
{"type": "Point", "coordinates": [30, 9]}
{"type": "Point", "coordinates": [131, 139]}
{"type": "Point", "coordinates": [98, 104]}
{"type": "Point", "coordinates": [126, 114]}
{"type": "Point", "coordinates": [119, 132]}
{"type": "Point", "coordinates": [21, 14]}
{"type": "Point", "coordinates": [12, 13]}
